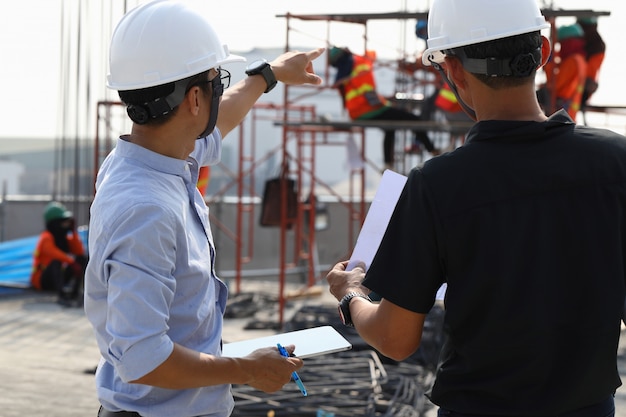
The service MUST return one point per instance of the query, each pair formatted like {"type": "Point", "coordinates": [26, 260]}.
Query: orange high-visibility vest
{"type": "Point", "coordinates": [203, 179]}
{"type": "Point", "coordinates": [446, 100]}
{"type": "Point", "coordinates": [360, 96]}
{"type": "Point", "coordinates": [594, 62]}
{"type": "Point", "coordinates": [47, 251]}
{"type": "Point", "coordinates": [570, 83]}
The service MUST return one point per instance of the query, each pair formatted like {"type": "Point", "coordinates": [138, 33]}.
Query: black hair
{"type": "Point", "coordinates": [505, 48]}
{"type": "Point", "coordinates": [149, 94]}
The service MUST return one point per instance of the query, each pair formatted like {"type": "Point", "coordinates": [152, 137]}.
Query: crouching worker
{"type": "Point", "coordinates": [59, 260]}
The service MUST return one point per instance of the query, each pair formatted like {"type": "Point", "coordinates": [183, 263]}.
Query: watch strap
{"type": "Point", "coordinates": [344, 307]}
{"type": "Point", "coordinates": [265, 70]}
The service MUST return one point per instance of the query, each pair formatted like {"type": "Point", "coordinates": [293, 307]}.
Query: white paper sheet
{"type": "Point", "coordinates": [377, 218]}
{"type": "Point", "coordinates": [376, 221]}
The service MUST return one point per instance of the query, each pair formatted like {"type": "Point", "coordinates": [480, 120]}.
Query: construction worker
{"type": "Point", "coordinates": [595, 49]}
{"type": "Point", "coordinates": [151, 290]}
{"type": "Point", "coordinates": [567, 71]}
{"type": "Point", "coordinates": [59, 258]}
{"type": "Point", "coordinates": [356, 84]}
{"type": "Point", "coordinates": [525, 223]}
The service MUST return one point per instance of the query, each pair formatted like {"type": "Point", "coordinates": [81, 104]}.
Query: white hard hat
{"type": "Point", "coordinates": [160, 42]}
{"type": "Point", "coordinates": [457, 23]}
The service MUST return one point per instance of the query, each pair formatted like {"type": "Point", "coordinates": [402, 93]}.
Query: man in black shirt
{"type": "Point", "coordinates": [525, 223]}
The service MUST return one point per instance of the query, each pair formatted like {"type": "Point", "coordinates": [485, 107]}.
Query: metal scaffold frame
{"type": "Point", "coordinates": [297, 231]}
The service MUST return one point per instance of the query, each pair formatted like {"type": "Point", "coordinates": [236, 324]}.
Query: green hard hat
{"type": "Point", "coordinates": [335, 53]}
{"type": "Point", "coordinates": [55, 210]}
{"type": "Point", "coordinates": [570, 31]}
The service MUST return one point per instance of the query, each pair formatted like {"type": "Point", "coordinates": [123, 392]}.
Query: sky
{"type": "Point", "coordinates": [33, 59]}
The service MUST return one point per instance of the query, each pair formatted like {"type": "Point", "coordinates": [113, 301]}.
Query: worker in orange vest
{"type": "Point", "coordinates": [59, 259]}
{"type": "Point", "coordinates": [567, 71]}
{"type": "Point", "coordinates": [595, 49]}
{"type": "Point", "coordinates": [355, 81]}
{"type": "Point", "coordinates": [442, 98]}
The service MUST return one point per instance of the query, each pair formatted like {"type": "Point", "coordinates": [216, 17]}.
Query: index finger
{"type": "Point", "coordinates": [315, 53]}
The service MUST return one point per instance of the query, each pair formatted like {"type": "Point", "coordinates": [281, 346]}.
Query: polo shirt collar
{"type": "Point", "coordinates": [511, 129]}
{"type": "Point", "coordinates": [151, 159]}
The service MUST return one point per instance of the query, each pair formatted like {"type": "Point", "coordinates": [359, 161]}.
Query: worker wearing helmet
{"type": "Point", "coordinates": [356, 84]}
{"type": "Point", "coordinates": [595, 49]}
{"type": "Point", "coordinates": [151, 290]}
{"type": "Point", "coordinates": [567, 70]}
{"type": "Point", "coordinates": [59, 258]}
{"type": "Point", "coordinates": [525, 224]}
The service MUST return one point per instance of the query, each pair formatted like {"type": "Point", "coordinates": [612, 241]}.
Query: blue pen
{"type": "Point", "coordinates": [294, 374]}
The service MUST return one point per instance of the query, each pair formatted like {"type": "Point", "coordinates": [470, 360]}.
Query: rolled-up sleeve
{"type": "Point", "coordinates": [141, 286]}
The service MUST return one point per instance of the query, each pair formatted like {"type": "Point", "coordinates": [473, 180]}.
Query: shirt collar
{"type": "Point", "coordinates": [512, 130]}
{"type": "Point", "coordinates": [151, 159]}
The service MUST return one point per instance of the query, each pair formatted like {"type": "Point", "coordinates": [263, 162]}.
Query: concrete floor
{"type": "Point", "coordinates": [48, 353]}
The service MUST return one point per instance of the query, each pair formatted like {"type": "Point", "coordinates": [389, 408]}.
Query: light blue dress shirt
{"type": "Point", "coordinates": [150, 280]}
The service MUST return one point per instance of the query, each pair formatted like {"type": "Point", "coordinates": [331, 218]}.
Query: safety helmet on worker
{"type": "Point", "coordinates": [570, 32]}
{"type": "Point", "coordinates": [421, 29]}
{"type": "Point", "coordinates": [55, 210]}
{"type": "Point", "coordinates": [160, 42]}
{"type": "Point", "coordinates": [457, 23]}
{"type": "Point", "coordinates": [335, 53]}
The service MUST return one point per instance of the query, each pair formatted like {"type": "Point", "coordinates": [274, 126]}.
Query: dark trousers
{"type": "Point", "coordinates": [605, 408]}
{"type": "Point", "coordinates": [393, 113]}
{"type": "Point", "coordinates": [66, 281]}
{"type": "Point", "coordinates": [106, 413]}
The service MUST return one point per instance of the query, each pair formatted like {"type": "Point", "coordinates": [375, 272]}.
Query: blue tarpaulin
{"type": "Point", "coordinates": [16, 259]}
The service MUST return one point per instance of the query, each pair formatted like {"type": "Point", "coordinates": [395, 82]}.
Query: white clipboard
{"type": "Point", "coordinates": [309, 342]}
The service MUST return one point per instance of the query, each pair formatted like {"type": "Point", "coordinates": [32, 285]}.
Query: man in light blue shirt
{"type": "Point", "coordinates": [151, 292]}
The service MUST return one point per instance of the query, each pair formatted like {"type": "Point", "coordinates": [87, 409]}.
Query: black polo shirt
{"type": "Point", "coordinates": [526, 222]}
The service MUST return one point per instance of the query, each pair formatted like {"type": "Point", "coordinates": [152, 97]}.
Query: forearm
{"type": "Point", "coordinates": [391, 330]}
{"type": "Point", "coordinates": [237, 102]}
{"type": "Point", "coordinates": [366, 322]}
{"type": "Point", "coordinates": [186, 368]}
{"type": "Point", "coordinates": [294, 68]}
{"type": "Point", "coordinates": [264, 369]}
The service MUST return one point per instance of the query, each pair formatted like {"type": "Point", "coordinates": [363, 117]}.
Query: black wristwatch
{"type": "Point", "coordinates": [344, 307]}
{"type": "Point", "coordinates": [263, 68]}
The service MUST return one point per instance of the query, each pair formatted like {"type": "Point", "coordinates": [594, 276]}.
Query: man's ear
{"type": "Point", "coordinates": [192, 99]}
{"type": "Point", "coordinates": [546, 50]}
{"type": "Point", "coordinates": [455, 71]}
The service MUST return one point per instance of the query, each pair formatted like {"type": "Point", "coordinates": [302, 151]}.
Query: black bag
{"type": "Point", "coordinates": [271, 203]}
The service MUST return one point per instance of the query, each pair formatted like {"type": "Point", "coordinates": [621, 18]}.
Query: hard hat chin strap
{"type": "Point", "coordinates": [217, 89]}
{"type": "Point", "coordinates": [470, 112]}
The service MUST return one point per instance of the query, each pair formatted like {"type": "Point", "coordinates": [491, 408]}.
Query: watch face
{"type": "Point", "coordinates": [256, 64]}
